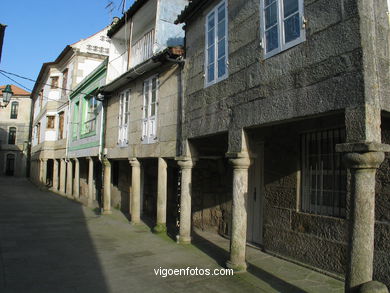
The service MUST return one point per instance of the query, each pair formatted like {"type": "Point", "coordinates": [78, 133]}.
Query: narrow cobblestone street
{"type": "Point", "coordinates": [52, 244]}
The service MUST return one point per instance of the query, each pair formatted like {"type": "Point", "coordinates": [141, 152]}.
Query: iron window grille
{"type": "Point", "coordinates": [323, 175]}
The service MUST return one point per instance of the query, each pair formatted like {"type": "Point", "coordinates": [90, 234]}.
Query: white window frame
{"type": "Point", "coordinates": [282, 45]}
{"type": "Point", "coordinates": [149, 121]}
{"type": "Point", "coordinates": [216, 78]}
{"type": "Point", "coordinates": [123, 118]}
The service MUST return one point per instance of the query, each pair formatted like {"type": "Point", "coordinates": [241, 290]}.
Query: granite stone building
{"type": "Point", "coordinates": [277, 93]}
{"type": "Point", "coordinates": [142, 98]}
{"type": "Point", "coordinates": [14, 133]}
{"type": "Point", "coordinates": [50, 165]}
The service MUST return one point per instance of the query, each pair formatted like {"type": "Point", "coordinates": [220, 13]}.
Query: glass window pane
{"type": "Point", "coordinates": [221, 67]}
{"type": "Point", "coordinates": [290, 6]}
{"type": "Point", "coordinates": [221, 30]}
{"type": "Point", "coordinates": [153, 109]}
{"type": "Point", "coordinates": [221, 48]}
{"type": "Point", "coordinates": [272, 39]}
{"type": "Point", "coordinates": [146, 111]}
{"type": "Point", "coordinates": [210, 72]}
{"type": "Point", "coordinates": [268, 2]}
{"type": "Point", "coordinates": [210, 21]}
{"type": "Point", "coordinates": [221, 12]}
{"type": "Point", "coordinates": [292, 28]}
{"type": "Point", "coordinates": [211, 55]}
{"type": "Point", "coordinates": [271, 15]}
{"type": "Point", "coordinates": [210, 37]}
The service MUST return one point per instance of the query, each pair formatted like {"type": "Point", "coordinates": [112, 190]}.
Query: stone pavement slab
{"type": "Point", "coordinates": [49, 243]}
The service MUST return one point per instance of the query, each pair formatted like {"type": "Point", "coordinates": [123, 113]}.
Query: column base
{"type": "Point", "coordinates": [107, 212]}
{"type": "Point", "coordinates": [183, 239]}
{"type": "Point", "coordinates": [160, 228]}
{"type": "Point", "coordinates": [237, 268]}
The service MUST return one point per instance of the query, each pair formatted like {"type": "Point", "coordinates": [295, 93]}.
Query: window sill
{"type": "Point", "coordinates": [88, 134]}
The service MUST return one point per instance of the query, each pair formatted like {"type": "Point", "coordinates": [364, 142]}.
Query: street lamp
{"type": "Point", "coordinates": [7, 95]}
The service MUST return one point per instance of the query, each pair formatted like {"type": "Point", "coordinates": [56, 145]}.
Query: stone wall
{"type": "Point", "coordinates": [212, 196]}
{"type": "Point", "coordinates": [120, 185]}
{"type": "Point", "coordinates": [322, 74]}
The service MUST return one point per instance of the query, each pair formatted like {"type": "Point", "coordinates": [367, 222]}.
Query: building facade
{"type": "Point", "coordinates": [272, 87]}
{"type": "Point", "coordinates": [14, 136]}
{"type": "Point", "coordinates": [142, 99]}
{"type": "Point", "coordinates": [51, 116]}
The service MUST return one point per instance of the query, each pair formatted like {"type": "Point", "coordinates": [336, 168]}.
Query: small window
{"type": "Point", "coordinates": [90, 115]}
{"type": "Point", "coordinates": [216, 44]}
{"type": "Point", "coordinates": [14, 110]}
{"type": "Point", "coordinates": [61, 117]}
{"type": "Point", "coordinates": [54, 82]}
{"type": "Point", "coordinates": [12, 135]}
{"type": "Point", "coordinates": [323, 175]}
{"type": "Point", "coordinates": [76, 118]}
{"type": "Point", "coordinates": [50, 122]}
{"type": "Point", "coordinates": [41, 99]}
{"type": "Point", "coordinates": [149, 126]}
{"type": "Point", "coordinates": [64, 82]}
{"type": "Point", "coordinates": [123, 118]}
{"type": "Point", "coordinates": [282, 25]}
{"type": "Point", "coordinates": [38, 133]}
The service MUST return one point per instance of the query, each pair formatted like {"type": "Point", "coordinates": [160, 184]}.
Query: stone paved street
{"type": "Point", "coordinates": [52, 244]}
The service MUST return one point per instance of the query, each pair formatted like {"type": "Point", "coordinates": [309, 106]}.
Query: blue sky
{"type": "Point", "coordinates": [38, 30]}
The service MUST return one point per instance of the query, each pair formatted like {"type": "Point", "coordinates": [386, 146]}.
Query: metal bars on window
{"type": "Point", "coordinates": [324, 178]}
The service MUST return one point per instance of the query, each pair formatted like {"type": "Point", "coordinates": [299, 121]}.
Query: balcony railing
{"type": "Point", "coordinates": [142, 49]}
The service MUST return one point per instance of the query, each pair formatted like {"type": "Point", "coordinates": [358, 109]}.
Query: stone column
{"type": "Point", "coordinates": [161, 225]}
{"type": "Point", "coordinates": [186, 165]}
{"type": "Point", "coordinates": [362, 159]}
{"type": "Point", "coordinates": [90, 181]}
{"type": "Point", "coordinates": [69, 178]}
{"type": "Point", "coordinates": [62, 176]}
{"type": "Point", "coordinates": [43, 171]}
{"type": "Point", "coordinates": [135, 196]}
{"type": "Point", "coordinates": [76, 184]}
{"type": "Point", "coordinates": [239, 214]}
{"type": "Point", "coordinates": [107, 187]}
{"type": "Point", "coordinates": [55, 175]}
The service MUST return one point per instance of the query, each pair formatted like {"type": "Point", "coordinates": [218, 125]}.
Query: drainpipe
{"type": "Point", "coordinates": [68, 133]}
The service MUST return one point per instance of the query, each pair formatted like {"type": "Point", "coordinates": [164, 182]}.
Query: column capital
{"type": "Point", "coordinates": [106, 162]}
{"type": "Point", "coordinates": [363, 155]}
{"type": "Point", "coordinates": [239, 160]}
{"type": "Point", "coordinates": [186, 162]}
{"type": "Point", "coordinates": [134, 162]}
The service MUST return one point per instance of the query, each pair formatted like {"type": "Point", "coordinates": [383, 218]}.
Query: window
{"type": "Point", "coordinates": [38, 132]}
{"type": "Point", "coordinates": [76, 118]}
{"type": "Point", "coordinates": [50, 122]}
{"type": "Point", "coordinates": [61, 117]}
{"type": "Point", "coordinates": [282, 25]}
{"type": "Point", "coordinates": [64, 81]}
{"type": "Point", "coordinates": [216, 44]}
{"type": "Point", "coordinates": [90, 115]}
{"type": "Point", "coordinates": [41, 99]}
{"type": "Point", "coordinates": [14, 110]}
{"type": "Point", "coordinates": [12, 135]}
{"type": "Point", "coordinates": [54, 82]}
{"type": "Point", "coordinates": [149, 122]}
{"type": "Point", "coordinates": [324, 178]}
{"type": "Point", "coordinates": [124, 99]}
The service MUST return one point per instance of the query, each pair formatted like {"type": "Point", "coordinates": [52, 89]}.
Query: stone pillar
{"type": "Point", "coordinates": [69, 178]}
{"type": "Point", "coordinates": [362, 159]}
{"type": "Point", "coordinates": [107, 187]}
{"type": "Point", "coordinates": [76, 184]}
{"type": "Point", "coordinates": [239, 214]}
{"type": "Point", "coordinates": [161, 225]}
{"type": "Point", "coordinates": [55, 175]}
{"type": "Point", "coordinates": [44, 171]}
{"type": "Point", "coordinates": [186, 165]}
{"type": "Point", "coordinates": [90, 181]}
{"type": "Point", "coordinates": [62, 176]}
{"type": "Point", "coordinates": [135, 196]}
